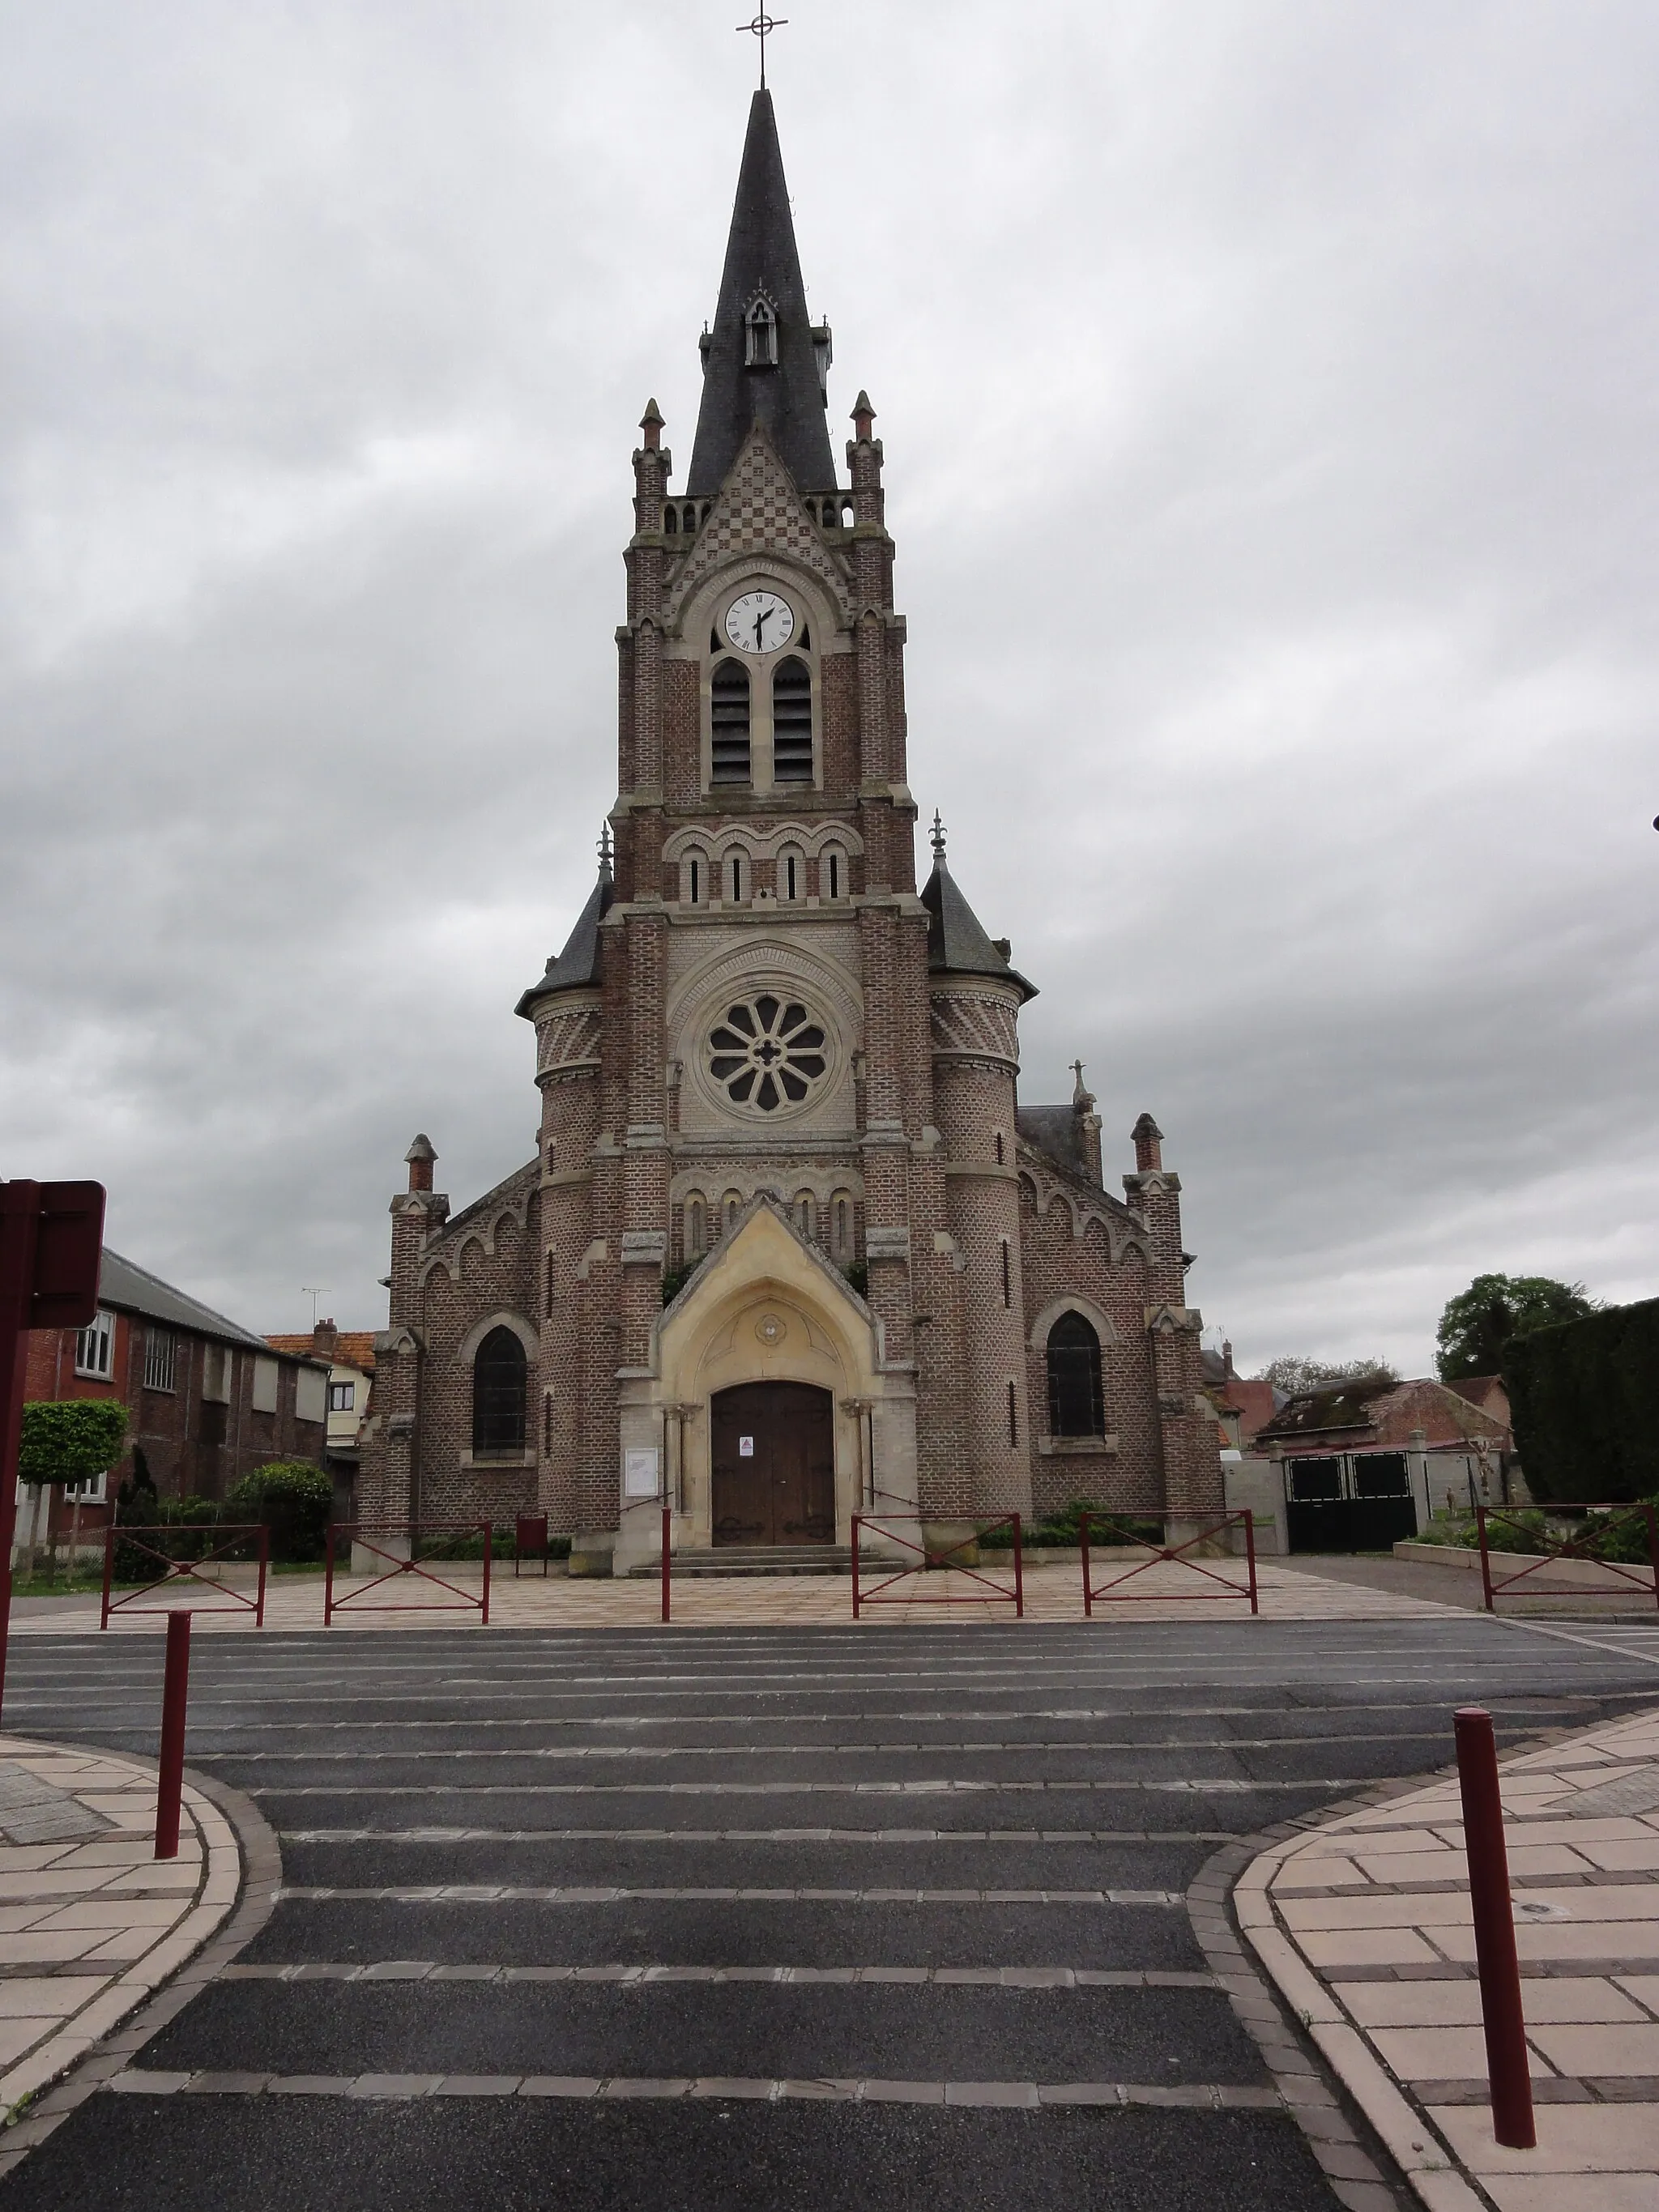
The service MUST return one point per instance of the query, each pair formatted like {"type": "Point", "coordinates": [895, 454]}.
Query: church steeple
{"type": "Point", "coordinates": [762, 361]}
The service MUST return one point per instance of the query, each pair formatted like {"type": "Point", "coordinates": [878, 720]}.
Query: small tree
{"type": "Point", "coordinates": [294, 1498]}
{"type": "Point", "coordinates": [1294, 1374]}
{"type": "Point", "coordinates": [1479, 1322]}
{"type": "Point", "coordinates": [67, 1441]}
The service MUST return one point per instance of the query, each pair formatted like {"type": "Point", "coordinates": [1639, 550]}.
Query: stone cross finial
{"type": "Point", "coordinates": [604, 854]}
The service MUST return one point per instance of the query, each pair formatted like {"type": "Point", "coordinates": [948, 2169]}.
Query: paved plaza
{"type": "Point", "coordinates": [763, 1915]}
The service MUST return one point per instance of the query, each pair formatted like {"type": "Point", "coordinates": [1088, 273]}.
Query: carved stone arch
{"type": "Point", "coordinates": [1070, 1301]}
{"type": "Point", "coordinates": [467, 1350]}
{"type": "Point", "coordinates": [486, 1239]}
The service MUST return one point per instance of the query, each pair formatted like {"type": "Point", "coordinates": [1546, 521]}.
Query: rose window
{"type": "Point", "coordinates": [766, 1053]}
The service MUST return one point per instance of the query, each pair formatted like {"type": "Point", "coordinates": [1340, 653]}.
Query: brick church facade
{"type": "Point", "coordinates": [790, 1248]}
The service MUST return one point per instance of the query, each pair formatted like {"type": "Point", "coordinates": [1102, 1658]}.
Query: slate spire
{"type": "Point", "coordinates": [762, 361]}
{"type": "Point", "coordinates": [957, 943]}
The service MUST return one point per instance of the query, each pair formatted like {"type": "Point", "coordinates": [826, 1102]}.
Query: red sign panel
{"type": "Point", "coordinates": [68, 1243]}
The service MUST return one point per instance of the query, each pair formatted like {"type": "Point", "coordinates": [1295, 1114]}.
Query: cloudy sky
{"type": "Point", "coordinates": [1268, 395]}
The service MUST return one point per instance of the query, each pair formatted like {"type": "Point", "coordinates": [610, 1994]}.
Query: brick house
{"type": "Point", "coordinates": [1373, 1439]}
{"type": "Point", "coordinates": [206, 1402]}
{"type": "Point", "coordinates": [791, 1247]}
{"type": "Point", "coordinates": [1243, 1404]}
{"type": "Point", "coordinates": [350, 1353]}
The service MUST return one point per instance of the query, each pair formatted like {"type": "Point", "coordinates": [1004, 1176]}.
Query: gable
{"type": "Point", "coordinates": [758, 511]}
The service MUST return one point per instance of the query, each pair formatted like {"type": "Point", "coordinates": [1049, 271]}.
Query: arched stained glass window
{"type": "Point", "coordinates": [1076, 1406]}
{"type": "Point", "coordinates": [499, 1373]}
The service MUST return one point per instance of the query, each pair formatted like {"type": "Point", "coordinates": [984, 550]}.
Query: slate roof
{"type": "Point", "coordinates": [579, 963]}
{"type": "Point", "coordinates": [957, 944]}
{"type": "Point", "coordinates": [127, 1288]}
{"type": "Point", "coordinates": [786, 401]}
{"type": "Point", "coordinates": [1054, 1130]}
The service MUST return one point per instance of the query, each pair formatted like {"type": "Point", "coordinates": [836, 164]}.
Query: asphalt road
{"type": "Point", "coordinates": [488, 1839]}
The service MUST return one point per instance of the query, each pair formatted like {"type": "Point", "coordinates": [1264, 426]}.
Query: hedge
{"type": "Point", "coordinates": [1584, 1400]}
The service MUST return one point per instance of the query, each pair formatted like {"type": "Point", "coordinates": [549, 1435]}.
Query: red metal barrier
{"type": "Point", "coordinates": [175, 1695]}
{"type": "Point", "coordinates": [184, 1571]}
{"type": "Point", "coordinates": [667, 1514]}
{"type": "Point", "coordinates": [1508, 2067]}
{"type": "Point", "coordinates": [361, 1534]}
{"type": "Point", "coordinates": [1210, 1570]}
{"type": "Point", "coordinates": [995, 1593]}
{"type": "Point", "coordinates": [1628, 1575]}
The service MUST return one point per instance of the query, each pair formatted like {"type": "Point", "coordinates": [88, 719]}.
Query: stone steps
{"type": "Point", "coordinates": [755, 1560]}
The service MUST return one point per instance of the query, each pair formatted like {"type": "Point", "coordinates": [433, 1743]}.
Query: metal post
{"type": "Point", "coordinates": [856, 1518]}
{"type": "Point", "coordinates": [1082, 1538]}
{"type": "Point", "coordinates": [20, 1208]}
{"type": "Point", "coordinates": [1653, 1547]}
{"type": "Point", "coordinates": [264, 1564]}
{"type": "Point", "coordinates": [667, 1514]}
{"type": "Point", "coordinates": [1486, 1557]}
{"type": "Point", "coordinates": [1249, 1553]}
{"type": "Point", "coordinates": [175, 1691]}
{"type": "Point", "coordinates": [490, 1537]}
{"type": "Point", "coordinates": [109, 1562]}
{"type": "Point", "coordinates": [328, 1580]}
{"type": "Point", "coordinates": [1019, 1575]}
{"type": "Point", "coordinates": [1507, 2063]}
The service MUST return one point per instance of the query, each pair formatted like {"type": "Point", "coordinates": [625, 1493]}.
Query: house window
{"type": "Point", "coordinates": [93, 1492]}
{"type": "Point", "coordinates": [761, 331]}
{"type": "Point", "coordinates": [341, 1397]}
{"type": "Point", "coordinates": [728, 717]}
{"type": "Point", "coordinates": [310, 1394]}
{"type": "Point", "coordinates": [161, 1358]}
{"type": "Point", "coordinates": [499, 1370]}
{"type": "Point", "coordinates": [1076, 1406]}
{"type": "Point", "coordinates": [792, 722]}
{"type": "Point", "coordinates": [94, 1348]}
{"type": "Point", "coordinates": [218, 1366]}
{"type": "Point", "coordinates": [265, 1373]}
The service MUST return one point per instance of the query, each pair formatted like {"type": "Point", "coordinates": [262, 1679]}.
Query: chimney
{"type": "Point", "coordinates": [324, 1338]}
{"type": "Point", "coordinates": [651, 424]}
{"type": "Point", "coordinates": [1148, 1144]}
{"type": "Point", "coordinates": [421, 1159]}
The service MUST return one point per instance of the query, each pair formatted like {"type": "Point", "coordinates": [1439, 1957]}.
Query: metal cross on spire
{"type": "Point", "coordinates": [763, 25]}
{"type": "Point", "coordinates": [937, 839]}
{"type": "Point", "coordinates": [604, 851]}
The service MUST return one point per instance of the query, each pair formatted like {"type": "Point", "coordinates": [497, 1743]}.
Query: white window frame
{"type": "Point", "coordinates": [100, 1329]}
{"type": "Point", "coordinates": [345, 1404]}
{"type": "Point", "coordinates": [95, 1490]}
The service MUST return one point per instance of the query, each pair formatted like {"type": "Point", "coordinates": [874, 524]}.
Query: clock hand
{"type": "Point", "coordinates": [760, 621]}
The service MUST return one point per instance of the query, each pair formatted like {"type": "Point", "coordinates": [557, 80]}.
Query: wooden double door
{"type": "Point", "coordinates": [773, 1464]}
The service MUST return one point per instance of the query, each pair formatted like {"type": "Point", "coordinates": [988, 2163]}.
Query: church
{"type": "Point", "coordinates": [791, 1248]}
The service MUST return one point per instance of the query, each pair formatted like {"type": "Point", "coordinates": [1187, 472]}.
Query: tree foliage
{"type": "Point", "coordinates": [1479, 1322]}
{"type": "Point", "coordinates": [71, 1439]}
{"type": "Point", "coordinates": [1294, 1374]}
{"type": "Point", "coordinates": [294, 1499]}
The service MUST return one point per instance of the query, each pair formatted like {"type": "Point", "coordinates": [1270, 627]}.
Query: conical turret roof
{"type": "Point", "coordinates": [957, 943]}
{"type": "Point", "coordinates": [787, 398]}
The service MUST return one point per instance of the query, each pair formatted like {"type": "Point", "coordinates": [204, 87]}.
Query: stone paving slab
{"type": "Point", "coordinates": [1162, 1592]}
{"type": "Point", "coordinates": [93, 1922]}
{"type": "Point", "coordinates": [1364, 1922]}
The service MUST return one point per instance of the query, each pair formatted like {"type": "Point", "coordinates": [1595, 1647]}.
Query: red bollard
{"type": "Point", "coordinates": [667, 1512]}
{"type": "Point", "coordinates": [1507, 2064]}
{"type": "Point", "coordinates": [175, 1691]}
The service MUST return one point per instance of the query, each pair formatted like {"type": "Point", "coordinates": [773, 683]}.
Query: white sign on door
{"type": "Point", "coordinates": [745, 1447]}
{"type": "Point", "coordinates": [641, 1476]}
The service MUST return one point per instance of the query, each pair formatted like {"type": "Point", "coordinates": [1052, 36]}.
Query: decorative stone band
{"type": "Point", "coordinates": [975, 1025]}
{"type": "Point", "coordinates": [644, 1245]}
{"type": "Point", "coordinates": [568, 1037]}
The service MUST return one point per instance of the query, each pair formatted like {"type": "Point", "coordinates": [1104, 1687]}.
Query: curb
{"type": "Point", "coordinates": [212, 1936]}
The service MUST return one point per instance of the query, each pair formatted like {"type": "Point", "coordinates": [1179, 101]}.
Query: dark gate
{"type": "Point", "coordinates": [773, 1464]}
{"type": "Point", "coordinates": [1343, 1502]}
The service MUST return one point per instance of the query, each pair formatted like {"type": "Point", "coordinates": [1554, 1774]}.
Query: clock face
{"type": "Point", "coordinates": [760, 622]}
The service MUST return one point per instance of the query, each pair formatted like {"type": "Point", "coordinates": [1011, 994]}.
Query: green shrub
{"type": "Point", "coordinates": [1582, 1394]}
{"type": "Point", "coordinates": [293, 1499]}
{"type": "Point", "coordinates": [70, 1439]}
{"type": "Point", "coordinates": [1063, 1531]}
{"type": "Point", "coordinates": [177, 1529]}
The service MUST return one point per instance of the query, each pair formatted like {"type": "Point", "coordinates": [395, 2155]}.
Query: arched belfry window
{"type": "Point", "coordinates": [1076, 1407]}
{"type": "Point", "coordinates": [760, 328]}
{"type": "Point", "coordinates": [792, 722]}
{"type": "Point", "coordinates": [729, 723]}
{"type": "Point", "coordinates": [499, 1375]}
